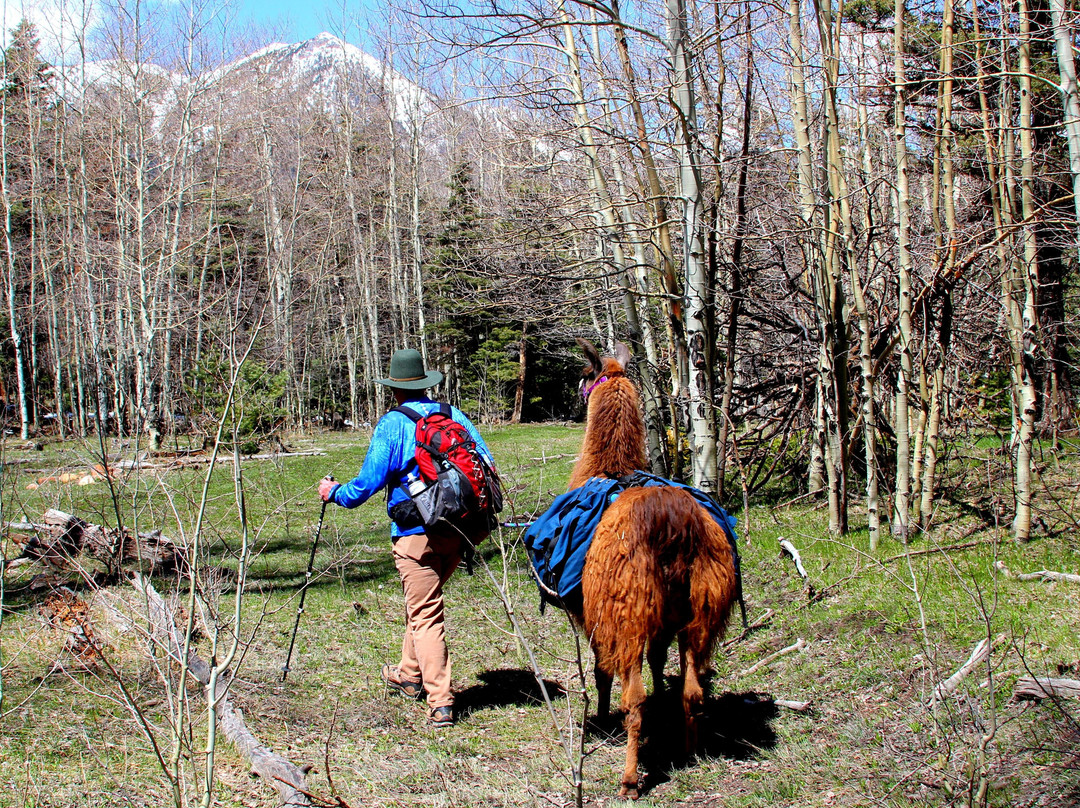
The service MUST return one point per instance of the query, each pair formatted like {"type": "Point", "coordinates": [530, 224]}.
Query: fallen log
{"type": "Point", "coordinates": [1040, 575]}
{"type": "Point", "coordinates": [62, 537]}
{"type": "Point", "coordinates": [1042, 687]}
{"type": "Point", "coordinates": [173, 453]}
{"type": "Point", "coordinates": [978, 656]}
{"type": "Point", "coordinates": [278, 772]}
{"type": "Point", "coordinates": [202, 460]}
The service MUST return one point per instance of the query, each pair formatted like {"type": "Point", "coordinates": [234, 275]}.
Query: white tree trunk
{"type": "Point", "coordinates": [635, 286]}
{"type": "Point", "coordinates": [901, 519]}
{"type": "Point", "coordinates": [1063, 40]}
{"type": "Point", "coordinates": [10, 263]}
{"type": "Point", "coordinates": [699, 285]}
{"type": "Point", "coordinates": [1023, 322]}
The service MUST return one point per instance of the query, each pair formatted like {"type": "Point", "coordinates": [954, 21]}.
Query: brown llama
{"type": "Point", "coordinates": [659, 567]}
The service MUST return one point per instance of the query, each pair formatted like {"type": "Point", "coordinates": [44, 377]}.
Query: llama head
{"type": "Point", "coordinates": [614, 441]}
{"type": "Point", "coordinates": [600, 368]}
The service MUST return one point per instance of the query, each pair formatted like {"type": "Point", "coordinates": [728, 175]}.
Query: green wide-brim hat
{"type": "Point", "coordinates": [407, 372]}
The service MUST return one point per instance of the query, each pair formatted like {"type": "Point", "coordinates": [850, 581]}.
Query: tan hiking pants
{"type": "Point", "coordinates": [425, 563]}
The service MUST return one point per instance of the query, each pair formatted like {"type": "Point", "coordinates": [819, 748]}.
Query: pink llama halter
{"type": "Point", "coordinates": [586, 393]}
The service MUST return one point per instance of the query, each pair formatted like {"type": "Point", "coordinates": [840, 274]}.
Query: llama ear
{"type": "Point", "coordinates": [592, 355]}
{"type": "Point", "coordinates": [622, 354]}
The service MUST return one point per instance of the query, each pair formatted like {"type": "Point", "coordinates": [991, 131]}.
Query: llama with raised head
{"type": "Point", "coordinates": [659, 567]}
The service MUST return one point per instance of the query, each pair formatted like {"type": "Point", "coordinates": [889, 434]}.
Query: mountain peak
{"type": "Point", "coordinates": [326, 71]}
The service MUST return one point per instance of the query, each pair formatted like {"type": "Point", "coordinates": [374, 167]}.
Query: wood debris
{"type": "Point", "coordinates": [199, 459]}
{"type": "Point", "coordinates": [788, 549]}
{"type": "Point", "coordinates": [798, 646]}
{"type": "Point", "coordinates": [96, 473]}
{"type": "Point", "coordinates": [61, 538]}
{"type": "Point", "coordinates": [284, 776]}
{"type": "Point", "coordinates": [796, 706]}
{"type": "Point", "coordinates": [1040, 575]}
{"type": "Point", "coordinates": [66, 612]}
{"type": "Point", "coordinates": [1041, 687]}
{"type": "Point", "coordinates": [978, 656]}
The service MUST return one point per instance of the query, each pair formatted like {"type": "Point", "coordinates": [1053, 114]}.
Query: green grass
{"type": "Point", "coordinates": [872, 659]}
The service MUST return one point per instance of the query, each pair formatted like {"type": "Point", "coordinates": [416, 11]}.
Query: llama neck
{"type": "Point", "coordinates": [614, 442]}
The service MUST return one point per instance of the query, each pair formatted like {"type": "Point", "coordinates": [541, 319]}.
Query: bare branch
{"type": "Point", "coordinates": [800, 645]}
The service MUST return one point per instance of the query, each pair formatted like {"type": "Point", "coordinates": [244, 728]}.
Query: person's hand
{"type": "Point", "coordinates": [326, 487]}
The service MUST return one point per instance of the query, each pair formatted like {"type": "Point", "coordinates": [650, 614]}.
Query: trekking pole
{"type": "Point", "coordinates": [303, 589]}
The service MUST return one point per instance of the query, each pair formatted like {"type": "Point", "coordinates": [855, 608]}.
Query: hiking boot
{"type": "Point", "coordinates": [391, 676]}
{"type": "Point", "coordinates": [441, 716]}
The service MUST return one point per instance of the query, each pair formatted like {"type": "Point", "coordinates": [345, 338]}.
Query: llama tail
{"type": "Point", "coordinates": [635, 583]}
{"type": "Point", "coordinates": [657, 562]}
{"type": "Point", "coordinates": [714, 583]}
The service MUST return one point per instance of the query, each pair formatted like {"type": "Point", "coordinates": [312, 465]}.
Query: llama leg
{"type": "Point", "coordinates": [657, 656]}
{"type": "Point", "coordinates": [633, 698]}
{"type": "Point", "coordinates": [603, 691]}
{"type": "Point", "coordinates": [693, 696]}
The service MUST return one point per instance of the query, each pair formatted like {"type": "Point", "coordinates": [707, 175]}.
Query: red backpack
{"type": "Point", "coordinates": [453, 491]}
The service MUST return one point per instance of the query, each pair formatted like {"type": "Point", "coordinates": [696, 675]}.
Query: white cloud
{"type": "Point", "coordinates": [60, 24]}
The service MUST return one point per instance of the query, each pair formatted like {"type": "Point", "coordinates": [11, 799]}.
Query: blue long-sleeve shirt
{"type": "Point", "coordinates": [392, 449]}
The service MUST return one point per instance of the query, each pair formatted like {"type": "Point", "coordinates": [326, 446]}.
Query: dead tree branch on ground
{"type": "Point", "coordinates": [286, 777]}
{"type": "Point", "coordinates": [799, 645]}
{"type": "Point", "coordinates": [789, 549]}
{"type": "Point", "coordinates": [978, 656]}
{"type": "Point", "coordinates": [1040, 575]}
{"type": "Point", "coordinates": [1040, 687]}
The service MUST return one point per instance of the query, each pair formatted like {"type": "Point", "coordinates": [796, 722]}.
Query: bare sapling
{"type": "Point", "coordinates": [570, 731]}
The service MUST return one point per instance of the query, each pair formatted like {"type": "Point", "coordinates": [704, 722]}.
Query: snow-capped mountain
{"type": "Point", "coordinates": [322, 73]}
{"type": "Point", "coordinates": [330, 71]}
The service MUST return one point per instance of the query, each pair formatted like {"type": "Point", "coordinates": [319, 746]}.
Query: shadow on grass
{"type": "Point", "coordinates": [505, 688]}
{"type": "Point", "coordinates": [736, 726]}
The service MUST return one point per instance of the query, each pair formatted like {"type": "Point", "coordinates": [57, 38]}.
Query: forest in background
{"type": "Point", "coordinates": [836, 237]}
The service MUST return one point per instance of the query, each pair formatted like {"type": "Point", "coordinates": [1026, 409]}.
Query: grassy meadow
{"type": "Point", "coordinates": [881, 630]}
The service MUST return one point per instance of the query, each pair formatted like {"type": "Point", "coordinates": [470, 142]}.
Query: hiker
{"type": "Point", "coordinates": [424, 561]}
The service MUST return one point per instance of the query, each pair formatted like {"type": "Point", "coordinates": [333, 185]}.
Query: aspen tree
{"type": "Point", "coordinates": [901, 501]}
{"type": "Point", "coordinates": [736, 289]}
{"type": "Point", "coordinates": [657, 197]}
{"type": "Point", "coordinates": [10, 263]}
{"type": "Point", "coordinates": [699, 284]}
{"type": "Point", "coordinates": [946, 259]}
{"type": "Point", "coordinates": [837, 249]}
{"type": "Point", "coordinates": [639, 323]}
{"type": "Point", "coordinates": [399, 288]}
{"type": "Point", "coordinates": [1063, 40]}
{"type": "Point", "coordinates": [808, 213]}
{"type": "Point", "coordinates": [866, 361]}
{"type": "Point", "coordinates": [1022, 319]}
{"type": "Point", "coordinates": [365, 336]}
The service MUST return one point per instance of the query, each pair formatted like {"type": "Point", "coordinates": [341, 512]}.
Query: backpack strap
{"type": "Point", "coordinates": [411, 414]}
{"type": "Point", "coordinates": [416, 417]}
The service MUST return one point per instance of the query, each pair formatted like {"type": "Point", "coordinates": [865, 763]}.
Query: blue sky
{"type": "Point", "coordinates": [297, 20]}
{"type": "Point", "coordinates": [276, 20]}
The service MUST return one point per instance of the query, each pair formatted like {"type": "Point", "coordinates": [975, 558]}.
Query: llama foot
{"type": "Point", "coordinates": [629, 791]}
